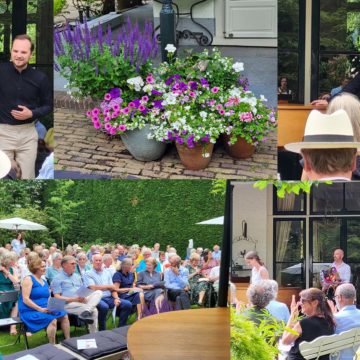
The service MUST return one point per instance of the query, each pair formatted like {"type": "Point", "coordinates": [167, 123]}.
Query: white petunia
{"type": "Point", "coordinates": [263, 98]}
{"type": "Point", "coordinates": [238, 66]}
{"type": "Point", "coordinates": [170, 48]}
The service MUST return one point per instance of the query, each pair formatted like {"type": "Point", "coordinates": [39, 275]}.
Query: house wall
{"type": "Point", "coordinates": [253, 206]}
{"type": "Point", "coordinates": [211, 14]}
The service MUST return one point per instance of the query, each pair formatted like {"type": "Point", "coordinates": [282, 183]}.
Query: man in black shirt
{"type": "Point", "coordinates": [25, 95]}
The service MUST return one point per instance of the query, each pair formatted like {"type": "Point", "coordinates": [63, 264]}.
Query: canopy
{"type": "Point", "coordinates": [215, 221]}
{"type": "Point", "coordinates": [20, 224]}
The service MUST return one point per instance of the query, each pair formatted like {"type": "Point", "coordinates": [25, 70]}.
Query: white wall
{"type": "Point", "coordinates": [204, 10]}
{"type": "Point", "coordinates": [252, 205]}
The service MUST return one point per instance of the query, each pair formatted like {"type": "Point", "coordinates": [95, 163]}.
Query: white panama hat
{"type": "Point", "coordinates": [323, 131]}
{"type": "Point", "coordinates": [5, 164]}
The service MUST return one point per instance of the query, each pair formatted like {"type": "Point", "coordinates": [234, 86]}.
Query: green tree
{"type": "Point", "coordinates": [61, 209]}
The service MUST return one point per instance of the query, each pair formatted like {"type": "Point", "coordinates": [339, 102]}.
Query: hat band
{"type": "Point", "coordinates": [328, 138]}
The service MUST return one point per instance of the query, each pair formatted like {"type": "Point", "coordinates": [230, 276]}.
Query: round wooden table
{"type": "Point", "coordinates": [187, 334]}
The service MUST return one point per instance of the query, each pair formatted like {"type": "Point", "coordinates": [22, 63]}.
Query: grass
{"type": "Point", "coordinates": [40, 337]}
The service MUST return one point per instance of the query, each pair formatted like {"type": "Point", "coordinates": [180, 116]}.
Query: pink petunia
{"type": "Point", "coordinates": [125, 110]}
{"type": "Point", "coordinates": [107, 97]}
{"type": "Point", "coordinates": [215, 89]}
{"type": "Point", "coordinates": [108, 126]}
{"type": "Point", "coordinates": [142, 108]}
{"type": "Point", "coordinates": [218, 107]}
{"type": "Point", "coordinates": [150, 79]}
{"type": "Point", "coordinates": [88, 114]}
{"type": "Point", "coordinates": [97, 125]}
{"type": "Point", "coordinates": [107, 118]}
{"type": "Point", "coordinates": [246, 117]}
{"type": "Point", "coordinates": [95, 111]}
{"type": "Point", "coordinates": [222, 112]}
{"type": "Point", "coordinates": [192, 94]}
{"type": "Point", "coordinates": [122, 127]}
{"type": "Point", "coordinates": [112, 131]}
{"type": "Point", "coordinates": [95, 118]}
{"type": "Point", "coordinates": [145, 98]}
{"type": "Point", "coordinates": [131, 104]}
{"type": "Point", "coordinates": [116, 107]}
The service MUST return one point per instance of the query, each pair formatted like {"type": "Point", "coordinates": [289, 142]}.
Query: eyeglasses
{"type": "Point", "coordinates": [302, 301]}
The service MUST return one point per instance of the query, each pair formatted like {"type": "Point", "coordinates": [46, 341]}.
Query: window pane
{"type": "Point", "coordinates": [327, 198]}
{"type": "Point", "coordinates": [290, 274]}
{"type": "Point", "coordinates": [288, 24]}
{"type": "Point", "coordinates": [339, 25]}
{"type": "Point", "coordinates": [352, 196]}
{"type": "Point", "coordinates": [288, 67]}
{"type": "Point", "coordinates": [290, 203]}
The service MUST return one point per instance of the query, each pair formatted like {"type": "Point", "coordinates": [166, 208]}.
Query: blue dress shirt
{"type": "Point", "coordinates": [176, 282]}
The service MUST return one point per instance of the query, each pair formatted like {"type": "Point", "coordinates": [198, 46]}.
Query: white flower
{"type": "Point", "coordinates": [235, 92]}
{"type": "Point", "coordinates": [238, 66]}
{"type": "Point", "coordinates": [137, 82]}
{"type": "Point", "coordinates": [263, 98]}
{"type": "Point", "coordinates": [206, 155]}
{"type": "Point", "coordinates": [170, 48]}
{"type": "Point", "coordinates": [148, 88]}
{"type": "Point", "coordinates": [203, 114]}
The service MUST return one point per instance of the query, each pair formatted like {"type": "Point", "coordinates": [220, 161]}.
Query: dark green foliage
{"type": "Point", "coordinates": [126, 211]}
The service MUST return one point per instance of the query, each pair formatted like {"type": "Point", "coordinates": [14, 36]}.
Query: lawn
{"type": "Point", "coordinates": [40, 337]}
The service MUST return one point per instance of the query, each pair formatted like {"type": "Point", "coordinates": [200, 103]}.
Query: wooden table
{"type": "Point", "coordinates": [182, 335]}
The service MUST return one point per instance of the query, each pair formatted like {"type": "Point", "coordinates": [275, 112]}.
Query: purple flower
{"type": "Point", "coordinates": [158, 104]}
{"type": "Point", "coordinates": [193, 85]}
{"type": "Point", "coordinates": [155, 92]}
{"type": "Point", "coordinates": [180, 140]}
{"type": "Point", "coordinates": [204, 83]}
{"type": "Point", "coordinates": [115, 93]}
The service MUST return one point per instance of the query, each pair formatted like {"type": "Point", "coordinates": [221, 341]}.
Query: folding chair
{"type": "Point", "coordinates": [12, 296]}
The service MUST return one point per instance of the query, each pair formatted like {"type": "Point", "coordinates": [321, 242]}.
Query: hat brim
{"type": "Point", "coordinates": [296, 147]}
{"type": "Point", "coordinates": [5, 165]}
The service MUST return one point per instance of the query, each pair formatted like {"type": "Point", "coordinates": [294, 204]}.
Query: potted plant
{"type": "Point", "coordinates": [248, 122]}
{"type": "Point", "coordinates": [131, 120]}
{"type": "Point", "coordinates": [190, 120]}
{"type": "Point", "coordinates": [93, 62]}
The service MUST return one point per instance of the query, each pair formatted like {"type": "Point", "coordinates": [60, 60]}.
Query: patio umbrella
{"type": "Point", "coordinates": [215, 221]}
{"type": "Point", "coordinates": [296, 269]}
{"type": "Point", "coordinates": [20, 224]}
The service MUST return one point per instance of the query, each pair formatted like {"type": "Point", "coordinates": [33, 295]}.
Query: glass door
{"type": "Point", "coordinates": [289, 252]}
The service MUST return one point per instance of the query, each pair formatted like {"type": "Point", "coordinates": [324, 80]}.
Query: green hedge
{"type": "Point", "coordinates": [122, 211]}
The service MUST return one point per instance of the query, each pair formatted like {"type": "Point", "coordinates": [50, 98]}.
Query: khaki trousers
{"type": "Point", "coordinates": [77, 308]}
{"type": "Point", "coordinates": [20, 142]}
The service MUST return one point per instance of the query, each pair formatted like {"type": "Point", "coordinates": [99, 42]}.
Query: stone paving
{"type": "Point", "coordinates": [83, 149]}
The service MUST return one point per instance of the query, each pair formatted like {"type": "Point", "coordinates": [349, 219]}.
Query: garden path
{"type": "Point", "coordinates": [83, 149]}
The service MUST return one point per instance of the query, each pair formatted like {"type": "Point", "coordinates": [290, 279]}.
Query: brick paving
{"type": "Point", "coordinates": [83, 149]}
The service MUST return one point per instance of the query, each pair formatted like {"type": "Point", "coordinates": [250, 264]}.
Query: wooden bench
{"type": "Point", "coordinates": [331, 345]}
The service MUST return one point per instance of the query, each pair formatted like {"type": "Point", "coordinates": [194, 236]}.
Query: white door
{"type": "Point", "coordinates": [250, 19]}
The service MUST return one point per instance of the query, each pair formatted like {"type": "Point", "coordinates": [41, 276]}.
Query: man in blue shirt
{"type": "Point", "coordinates": [348, 316]}
{"type": "Point", "coordinates": [276, 308]}
{"type": "Point", "coordinates": [177, 283]}
{"type": "Point", "coordinates": [99, 279]}
{"type": "Point", "coordinates": [216, 253]}
{"type": "Point", "coordinates": [65, 286]}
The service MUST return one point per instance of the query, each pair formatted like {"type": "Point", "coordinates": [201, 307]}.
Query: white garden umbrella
{"type": "Point", "coordinates": [215, 221]}
{"type": "Point", "coordinates": [296, 269]}
{"type": "Point", "coordinates": [20, 224]}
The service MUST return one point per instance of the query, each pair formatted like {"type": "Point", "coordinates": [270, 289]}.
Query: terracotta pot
{"type": "Point", "coordinates": [193, 159]}
{"type": "Point", "coordinates": [240, 150]}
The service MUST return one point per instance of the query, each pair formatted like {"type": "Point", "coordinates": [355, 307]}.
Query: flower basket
{"type": "Point", "coordinates": [241, 149]}
{"type": "Point", "coordinates": [141, 147]}
{"type": "Point", "coordinates": [197, 157]}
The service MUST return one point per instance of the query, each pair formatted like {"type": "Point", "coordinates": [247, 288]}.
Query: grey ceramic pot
{"type": "Point", "coordinates": [142, 148]}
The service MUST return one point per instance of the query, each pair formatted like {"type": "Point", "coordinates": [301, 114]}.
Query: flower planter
{"type": "Point", "coordinates": [193, 158]}
{"type": "Point", "coordinates": [142, 148]}
{"type": "Point", "coordinates": [240, 150]}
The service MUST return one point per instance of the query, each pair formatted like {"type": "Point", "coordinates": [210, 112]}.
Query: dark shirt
{"type": "Point", "coordinates": [30, 88]}
{"type": "Point", "coordinates": [312, 328]}
{"type": "Point", "coordinates": [126, 281]}
{"type": "Point", "coordinates": [353, 87]}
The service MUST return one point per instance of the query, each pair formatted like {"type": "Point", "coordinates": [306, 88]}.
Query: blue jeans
{"type": "Point", "coordinates": [107, 303]}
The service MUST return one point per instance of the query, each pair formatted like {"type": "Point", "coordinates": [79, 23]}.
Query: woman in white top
{"type": "Point", "coordinates": [259, 271]}
{"type": "Point", "coordinates": [18, 243]}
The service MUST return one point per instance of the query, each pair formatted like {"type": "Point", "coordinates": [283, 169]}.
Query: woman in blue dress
{"type": "Point", "coordinates": [123, 281]}
{"type": "Point", "coordinates": [33, 303]}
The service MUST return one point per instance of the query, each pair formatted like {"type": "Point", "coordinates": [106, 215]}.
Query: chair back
{"type": "Point", "coordinates": [7, 296]}
{"type": "Point", "coordinates": [333, 344]}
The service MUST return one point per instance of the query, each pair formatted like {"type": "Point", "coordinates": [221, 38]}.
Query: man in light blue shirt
{"type": "Point", "coordinates": [177, 283]}
{"type": "Point", "coordinates": [276, 308]}
{"type": "Point", "coordinates": [216, 254]}
{"type": "Point", "coordinates": [348, 316]}
{"type": "Point", "coordinates": [65, 286]}
{"type": "Point", "coordinates": [99, 279]}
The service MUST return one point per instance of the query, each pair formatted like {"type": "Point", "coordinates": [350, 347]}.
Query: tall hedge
{"type": "Point", "coordinates": [144, 212]}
